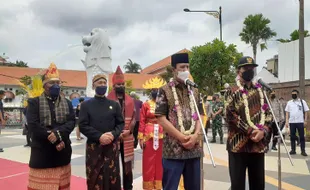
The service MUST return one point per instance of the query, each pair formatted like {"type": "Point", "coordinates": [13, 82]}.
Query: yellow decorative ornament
{"type": "Point", "coordinates": [155, 82]}
{"type": "Point", "coordinates": [250, 60]}
{"type": "Point", "coordinates": [35, 90]}
{"type": "Point", "coordinates": [51, 73]}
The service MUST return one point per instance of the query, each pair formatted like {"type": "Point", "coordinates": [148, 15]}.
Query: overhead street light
{"type": "Point", "coordinates": [216, 14]}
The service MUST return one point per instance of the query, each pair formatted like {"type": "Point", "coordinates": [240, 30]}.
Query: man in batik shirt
{"type": "Point", "coordinates": [176, 113]}
{"type": "Point", "coordinates": [279, 114]}
{"type": "Point", "coordinates": [249, 128]}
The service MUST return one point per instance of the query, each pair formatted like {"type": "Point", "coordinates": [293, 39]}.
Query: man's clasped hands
{"type": "Point", "coordinates": [188, 141]}
{"type": "Point", "coordinates": [52, 138]}
{"type": "Point", "coordinates": [108, 137]}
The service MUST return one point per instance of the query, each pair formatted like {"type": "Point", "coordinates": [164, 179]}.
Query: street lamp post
{"type": "Point", "coordinates": [301, 50]}
{"type": "Point", "coordinates": [216, 14]}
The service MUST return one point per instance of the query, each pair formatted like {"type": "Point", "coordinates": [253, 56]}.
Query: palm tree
{"type": "Point", "coordinates": [132, 67]}
{"type": "Point", "coordinates": [294, 36]}
{"type": "Point", "coordinates": [256, 31]}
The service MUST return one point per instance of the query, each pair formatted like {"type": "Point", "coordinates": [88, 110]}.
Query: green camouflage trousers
{"type": "Point", "coordinates": [217, 127]}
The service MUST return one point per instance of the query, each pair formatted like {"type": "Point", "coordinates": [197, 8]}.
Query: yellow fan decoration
{"type": "Point", "coordinates": [155, 82]}
{"type": "Point", "coordinates": [35, 89]}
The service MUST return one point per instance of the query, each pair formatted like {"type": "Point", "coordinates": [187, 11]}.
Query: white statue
{"type": "Point", "coordinates": [97, 47]}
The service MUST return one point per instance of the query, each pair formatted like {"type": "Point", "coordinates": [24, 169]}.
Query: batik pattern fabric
{"type": "Point", "coordinates": [102, 167]}
{"type": "Point", "coordinates": [165, 106]}
{"type": "Point", "coordinates": [239, 131]}
{"type": "Point", "coordinates": [61, 110]}
{"type": "Point", "coordinates": [50, 178]}
{"type": "Point", "coordinates": [152, 134]}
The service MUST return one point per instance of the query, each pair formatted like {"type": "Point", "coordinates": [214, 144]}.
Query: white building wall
{"type": "Point", "coordinates": [289, 61]}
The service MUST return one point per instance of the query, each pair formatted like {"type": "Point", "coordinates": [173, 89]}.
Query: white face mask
{"type": "Point", "coordinates": [182, 75]}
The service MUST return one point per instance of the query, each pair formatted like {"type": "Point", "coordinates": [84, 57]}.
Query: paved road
{"type": "Point", "coordinates": [296, 177]}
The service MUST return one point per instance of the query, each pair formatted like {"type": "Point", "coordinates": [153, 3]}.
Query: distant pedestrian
{"type": "Point", "coordinates": [296, 119]}
{"type": "Point", "coordinates": [2, 120]}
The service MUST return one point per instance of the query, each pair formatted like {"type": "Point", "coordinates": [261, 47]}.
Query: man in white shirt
{"type": "Point", "coordinates": [296, 117]}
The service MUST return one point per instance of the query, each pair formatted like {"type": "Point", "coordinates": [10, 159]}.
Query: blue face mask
{"type": "Point", "coordinates": [101, 90]}
{"type": "Point", "coordinates": [54, 91]}
{"type": "Point", "coordinates": [154, 94]}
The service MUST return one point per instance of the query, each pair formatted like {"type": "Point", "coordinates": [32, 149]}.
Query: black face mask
{"type": "Point", "coordinates": [154, 94]}
{"type": "Point", "coordinates": [248, 75]}
{"type": "Point", "coordinates": [120, 90]}
{"type": "Point", "coordinates": [273, 96]}
{"type": "Point", "coordinates": [294, 96]}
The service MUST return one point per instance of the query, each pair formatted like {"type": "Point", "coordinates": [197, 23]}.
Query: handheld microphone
{"type": "Point", "coordinates": [265, 85]}
{"type": "Point", "coordinates": [190, 83]}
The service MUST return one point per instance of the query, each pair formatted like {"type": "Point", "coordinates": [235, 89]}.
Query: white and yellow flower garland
{"type": "Point", "coordinates": [179, 112]}
{"type": "Point", "coordinates": [246, 104]}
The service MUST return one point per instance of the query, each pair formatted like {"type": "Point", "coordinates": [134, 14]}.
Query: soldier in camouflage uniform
{"type": "Point", "coordinates": [217, 109]}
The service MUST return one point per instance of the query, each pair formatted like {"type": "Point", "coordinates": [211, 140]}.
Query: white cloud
{"type": "Point", "coordinates": [40, 31]}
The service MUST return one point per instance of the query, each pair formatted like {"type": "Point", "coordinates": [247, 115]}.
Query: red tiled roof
{"type": "Point", "coordinates": [72, 78]}
{"type": "Point", "coordinates": [152, 69]}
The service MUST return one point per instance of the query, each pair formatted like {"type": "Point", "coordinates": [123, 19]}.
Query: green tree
{"type": "Point", "coordinates": [214, 63]}
{"type": "Point", "coordinates": [256, 31]}
{"type": "Point", "coordinates": [168, 74]}
{"type": "Point", "coordinates": [21, 64]}
{"type": "Point", "coordinates": [128, 86]}
{"type": "Point", "coordinates": [132, 67]}
{"type": "Point", "coordinates": [293, 36]}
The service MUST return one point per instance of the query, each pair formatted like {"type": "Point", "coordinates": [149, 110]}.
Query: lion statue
{"type": "Point", "coordinates": [97, 47]}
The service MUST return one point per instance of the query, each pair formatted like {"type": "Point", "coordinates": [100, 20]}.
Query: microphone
{"type": "Point", "coordinates": [265, 85]}
{"type": "Point", "coordinates": [188, 82]}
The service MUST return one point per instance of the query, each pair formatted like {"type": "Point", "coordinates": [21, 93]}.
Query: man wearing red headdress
{"type": "Point", "coordinates": [126, 138]}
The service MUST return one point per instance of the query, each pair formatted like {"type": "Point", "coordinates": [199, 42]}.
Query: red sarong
{"type": "Point", "coordinates": [50, 178]}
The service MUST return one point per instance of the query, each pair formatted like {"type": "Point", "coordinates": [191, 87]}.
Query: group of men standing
{"type": "Point", "coordinates": [108, 122]}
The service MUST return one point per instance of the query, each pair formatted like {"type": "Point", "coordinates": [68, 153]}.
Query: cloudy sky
{"type": "Point", "coordinates": [39, 31]}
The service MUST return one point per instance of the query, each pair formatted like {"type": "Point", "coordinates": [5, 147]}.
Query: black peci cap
{"type": "Point", "coordinates": [179, 58]}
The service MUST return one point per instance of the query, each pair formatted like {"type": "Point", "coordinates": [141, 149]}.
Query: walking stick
{"type": "Point", "coordinates": [280, 137]}
{"type": "Point", "coordinates": [206, 138]}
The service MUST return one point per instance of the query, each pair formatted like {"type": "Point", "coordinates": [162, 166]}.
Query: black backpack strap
{"type": "Point", "coordinates": [303, 109]}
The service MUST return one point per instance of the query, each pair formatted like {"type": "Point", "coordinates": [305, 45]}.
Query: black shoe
{"type": "Point", "coordinates": [292, 152]}
{"type": "Point", "coordinates": [26, 145]}
{"type": "Point", "coordinates": [274, 148]}
{"type": "Point", "coordinates": [1, 150]}
{"type": "Point", "coordinates": [304, 153]}
{"type": "Point", "coordinates": [213, 141]}
{"type": "Point", "coordinates": [221, 141]}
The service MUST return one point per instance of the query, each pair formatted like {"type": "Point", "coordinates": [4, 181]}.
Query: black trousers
{"type": "Point", "coordinates": [254, 162]}
{"type": "Point", "coordinates": [301, 132]}
{"type": "Point", "coordinates": [28, 138]}
{"type": "Point", "coordinates": [135, 133]}
{"type": "Point", "coordinates": [275, 132]}
{"type": "Point", "coordinates": [127, 171]}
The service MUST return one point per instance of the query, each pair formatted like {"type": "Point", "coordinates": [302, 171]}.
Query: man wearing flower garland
{"type": "Point", "coordinates": [249, 128]}
{"type": "Point", "coordinates": [176, 112]}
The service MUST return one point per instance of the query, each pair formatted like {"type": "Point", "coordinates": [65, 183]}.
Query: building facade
{"type": "Point", "coordinates": [273, 65]}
